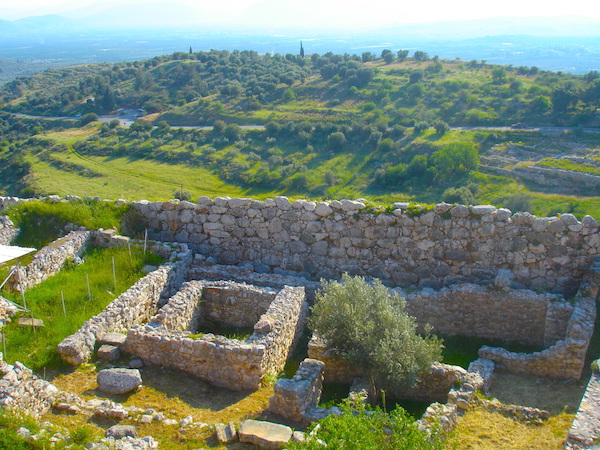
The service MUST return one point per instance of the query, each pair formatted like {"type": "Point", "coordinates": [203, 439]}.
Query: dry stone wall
{"type": "Point", "coordinates": [585, 431]}
{"type": "Point", "coordinates": [50, 260]}
{"type": "Point", "coordinates": [135, 305]}
{"type": "Point", "coordinates": [566, 358]}
{"type": "Point", "coordinates": [445, 246]}
{"type": "Point", "coordinates": [489, 312]}
{"type": "Point", "coordinates": [224, 362]}
{"type": "Point", "coordinates": [8, 231]}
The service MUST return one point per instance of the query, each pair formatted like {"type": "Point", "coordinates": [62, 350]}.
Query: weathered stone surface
{"type": "Point", "coordinates": [278, 318]}
{"type": "Point", "coordinates": [121, 431]}
{"type": "Point", "coordinates": [226, 434]}
{"type": "Point", "coordinates": [118, 381]}
{"type": "Point", "coordinates": [585, 430]}
{"type": "Point", "coordinates": [29, 322]}
{"type": "Point", "coordinates": [265, 434]}
{"type": "Point", "coordinates": [117, 339]}
{"type": "Point", "coordinates": [8, 231]}
{"type": "Point", "coordinates": [109, 352]}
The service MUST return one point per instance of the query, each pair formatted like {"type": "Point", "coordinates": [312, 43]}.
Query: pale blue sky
{"type": "Point", "coordinates": [320, 12]}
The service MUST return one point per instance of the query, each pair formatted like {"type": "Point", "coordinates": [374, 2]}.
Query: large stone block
{"type": "Point", "coordinates": [266, 435]}
{"type": "Point", "coordinates": [118, 381]}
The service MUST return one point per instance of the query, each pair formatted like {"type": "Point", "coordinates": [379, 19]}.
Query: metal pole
{"type": "Point", "coordinates": [62, 298]}
{"type": "Point", "coordinates": [114, 273]}
{"type": "Point", "coordinates": [23, 297]}
{"type": "Point", "coordinates": [87, 279]}
{"type": "Point", "coordinates": [145, 241]}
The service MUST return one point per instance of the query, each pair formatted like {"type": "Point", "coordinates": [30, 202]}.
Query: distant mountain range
{"type": "Point", "coordinates": [122, 32]}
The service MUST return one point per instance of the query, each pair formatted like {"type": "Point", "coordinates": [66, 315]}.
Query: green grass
{"type": "Point", "coordinates": [230, 332]}
{"type": "Point", "coordinates": [462, 350]}
{"type": "Point", "coordinates": [37, 350]}
{"type": "Point", "coordinates": [41, 222]}
{"type": "Point", "coordinates": [568, 165]}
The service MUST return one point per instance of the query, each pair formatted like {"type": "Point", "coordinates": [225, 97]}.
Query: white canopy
{"type": "Point", "coordinates": [8, 252]}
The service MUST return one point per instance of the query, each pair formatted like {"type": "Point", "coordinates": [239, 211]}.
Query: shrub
{"type": "Point", "coordinates": [183, 194]}
{"type": "Point", "coordinates": [361, 429]}
{"type": "Point", "coordinates": [461, 195]}
{"type": "Point", "coordinates": [366, 325]}
{"type": "Point", "coordinates": [518, 203]}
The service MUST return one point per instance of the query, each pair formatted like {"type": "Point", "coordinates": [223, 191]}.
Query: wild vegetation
{"type": "Point", "coordinates": [334, 126]}
{"type": "Point", "coordinates": [367, 326]}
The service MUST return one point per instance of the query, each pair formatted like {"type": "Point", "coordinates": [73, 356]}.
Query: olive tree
{"type": "Point", "coordinates": [366, 324]}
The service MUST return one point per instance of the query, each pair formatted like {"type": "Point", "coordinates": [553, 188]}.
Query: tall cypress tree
{"type": "Point", "coordinates": [301, 50]}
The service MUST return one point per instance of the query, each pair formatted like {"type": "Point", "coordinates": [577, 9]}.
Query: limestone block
{"type": "Point", "coordinates": [109, 352]}
{"type": "Point", "coordinates": [226, 434]}
{"type": "Point", "coordinates": [265, 434]}
{"type": "Point", "coordinates": [118, 381]}
{"type": "Point", "coordinates": [121, 431]}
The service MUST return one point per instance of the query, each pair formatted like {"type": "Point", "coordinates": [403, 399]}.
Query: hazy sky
{"type": "Point", "coordinates": [322, 12]}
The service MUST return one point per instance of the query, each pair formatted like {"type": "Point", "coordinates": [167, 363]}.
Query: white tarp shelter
{"type": "Point", "coordinates": [8, 252]}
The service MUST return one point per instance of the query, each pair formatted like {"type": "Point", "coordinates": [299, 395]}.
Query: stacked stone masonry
{"type": "Point", "coordinates": [585, 430]}
{"type": "Point", "coordinates": [165, 340]}
{"type": "Point", "coordinates": [485, 311]}
{"type": "Point", "coordinates": [136, 305]}
{"type": "Point", "coordinates": [445, 246]}
{"type": "Point", "coordinates": [50, 260]}
{"type": "Point", "coordinates": [8, 231]}
{"type": "Point", "coordinates": [566, 357]}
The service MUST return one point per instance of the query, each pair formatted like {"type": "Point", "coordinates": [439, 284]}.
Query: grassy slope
{"type": "Point", "coordinates": [135, 178]}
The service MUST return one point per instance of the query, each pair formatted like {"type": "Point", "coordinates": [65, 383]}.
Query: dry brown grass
{"type": "Point", "coordinates": [482, 429]}
{"type": "Point", "coordinates": [552, 395]}
{"type": "Point", "coordinates": [485, 430]}
{"type": "Point", "coordinates": [176, 395]}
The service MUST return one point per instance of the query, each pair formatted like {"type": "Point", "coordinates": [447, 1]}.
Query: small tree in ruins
{"type": "Point", "coordinates": [366, 325]}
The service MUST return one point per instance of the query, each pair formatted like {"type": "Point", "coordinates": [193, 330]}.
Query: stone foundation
{"type": "Point", "coordinates": [50, 260]}
{"type": "Point", "coordinates": [166, 340]}
{"type": "Point", "coordinates": [8, 231]}
{"type": "Point", "coordinates": [565, 359]}
{"type": "Point", "coordinates": [489, 312]}
{"type": "Point", "coordinates": [445, 246]}
{"type": "Point", "coordinates": [585, 431]}
{"type": "Point", "coordinates": [135, 305]}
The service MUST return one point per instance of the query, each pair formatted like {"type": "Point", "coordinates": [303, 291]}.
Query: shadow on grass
{"type": "Point", "coordinates": [194, 392]}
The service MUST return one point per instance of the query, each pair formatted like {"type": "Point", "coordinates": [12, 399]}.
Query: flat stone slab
{"type": "Point", "coordinates": [264, 434]}
{"type": "Point", "coordinates": [118, 381]}
{"type": "Point", "coordinates": [28, 322]}
{"type": "Point", "coordinates": [113, 339]}
{"type": "Point", "coordinates": [109, 352]}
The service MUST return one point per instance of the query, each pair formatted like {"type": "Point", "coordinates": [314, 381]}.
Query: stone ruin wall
{"type": "Point", "coordinates": [445, 246]}
{"type": "Point", "coordinates": [223, 362]}
{"type": "Point", "coordinates": [489, 312]}
{"type": "Point", "coordinates": [235, 305]}
{"type": "Point", "coordinates": [8, 231]}
{"type": "Point", "coordinates": [133, 306]}
{"type": "Point", "coordinates": [50, 260]}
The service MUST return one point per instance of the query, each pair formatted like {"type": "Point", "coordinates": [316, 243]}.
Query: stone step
{"type": "Point", "coordinates": [266, 435]}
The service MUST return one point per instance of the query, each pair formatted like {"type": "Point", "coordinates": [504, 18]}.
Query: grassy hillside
{"type": "Point", "coordinates": [245, 87]}
{"type": "Point", "coordinates": [335, 126]}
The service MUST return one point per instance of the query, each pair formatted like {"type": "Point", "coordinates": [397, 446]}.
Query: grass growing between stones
{"type": "Point", "coordinates": [37, 350]}
{"type": "Point", "coordinates": [480, 429]}
{"type": "Point", "coordinates": [175, 394]}
{"type": "Point", "coordinates": [41, 222]}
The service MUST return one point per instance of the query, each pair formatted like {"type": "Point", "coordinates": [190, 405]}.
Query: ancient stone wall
{"type": "Point", "coordinates": [21, 390]}
{"type": "Point", "coordinates": [135, 305]}
{"type": "Point", "coordinates": [488, 312]}
{"type": "Point", "coordinates": [404, 247]}
{"type": "Point", "coordinates": [8, 231]}
{"type": "Point", "coordinates": [50, 260]}
{"type": "Point", "coordinates": [230, 363]}
{"type": "Point", "coordinates": [585, 430]}
{"type": "Point", "coordinates": [235, 305]}
{"type": "Point", "coordinates": [566, 358]}
{"type": "Point", "coordinates": [297, 398]}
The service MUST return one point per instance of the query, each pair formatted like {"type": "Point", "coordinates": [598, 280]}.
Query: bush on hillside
{"type": "Point", "coordinates": [366, 325]}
